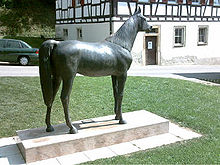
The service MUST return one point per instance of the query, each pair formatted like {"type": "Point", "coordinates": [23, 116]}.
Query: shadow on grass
{"type": "Point", "coordinates": [209, 76]}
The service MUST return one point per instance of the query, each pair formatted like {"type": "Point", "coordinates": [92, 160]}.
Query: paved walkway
{"type": "Point", "coordinates": [187, 71]}
{"type": "Point", "coordinates": [8, 70]}
{"type": "Point", "coordinates": [173, 71]}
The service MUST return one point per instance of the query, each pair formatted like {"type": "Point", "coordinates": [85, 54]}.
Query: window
{"type": "Point", "coordinates": [174, 1]}
{"type": "Point", "coordinates": [79, 33]}
{"type": "Point", "coordinates": [143, 0]}
{"type": "Point", "coordinates": [195, 2]}
{"type": "Point", "coordinates": [78, 2]}
{"type": "Point", "coordinates": [65, 34]}
{"type": "Point", "coordinates": [179, 36]}
{"type": "Point", "coordinates": [2, 43]}
{"type": "Point", "coordinates": [13, 44]}
{"type": "Point", "coordinates": [203, 35]}
{"type": "Point", "coordinates": [217, 2]}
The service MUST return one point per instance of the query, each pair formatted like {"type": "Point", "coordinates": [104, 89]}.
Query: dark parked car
{"type": "Point", "coordinates": [17, 51]}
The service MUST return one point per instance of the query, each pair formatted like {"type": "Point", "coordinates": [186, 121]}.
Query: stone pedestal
{"type": "Point", "coordinates": [37, 144]}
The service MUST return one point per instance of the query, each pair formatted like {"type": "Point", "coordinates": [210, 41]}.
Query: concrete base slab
{"type": "Point", "coordinates": [37, 144]}
{"type": "Point", "coordinates": [184, 134]}
{"type": "Point", "coordinates": [4, 161]}
{"type": "Point", "coordinates": [8, 141]}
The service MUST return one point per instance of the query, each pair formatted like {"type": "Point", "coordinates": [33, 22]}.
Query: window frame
{"type": "Point", "coordinates": [203, 43]}
{"type": "Point", "coordinates": [183, 43]}
{"type": "Point", "coordinates": [79, 33]}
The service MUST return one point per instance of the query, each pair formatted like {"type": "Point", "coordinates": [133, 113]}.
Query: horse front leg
{"type": "Point", "coordinates": [115, 91]}
{"type": "Point", "coordinates": [65, 94]}
{"type": "Point", "coordinates": [56, 84]}
{"type": "Point", "coordinates": [47, 120]}
{"type": "Point", "coordinates": [121, 83]}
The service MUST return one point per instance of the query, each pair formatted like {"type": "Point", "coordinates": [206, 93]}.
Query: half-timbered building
{"type": "Point", "coordinates": [184, 31]}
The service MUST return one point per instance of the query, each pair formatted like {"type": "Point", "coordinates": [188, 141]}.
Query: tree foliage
{"type": "Point", "coordinates": [19, 3]}
{"type": "Point", "coordinates": [27, 17]}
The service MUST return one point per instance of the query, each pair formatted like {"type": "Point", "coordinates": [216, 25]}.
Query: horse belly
{"type": "Point", "coordinates": [97, 65]}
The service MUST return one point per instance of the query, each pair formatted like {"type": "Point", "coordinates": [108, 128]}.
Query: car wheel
{"type": "Point", "coordinates": [23, 61]}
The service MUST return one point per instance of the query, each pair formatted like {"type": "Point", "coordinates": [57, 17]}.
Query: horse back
{"type": "Point", "coordinates": [92, 59]}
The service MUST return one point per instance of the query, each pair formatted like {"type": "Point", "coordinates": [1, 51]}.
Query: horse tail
{"type": "Point", "coordinates": [45, 69]}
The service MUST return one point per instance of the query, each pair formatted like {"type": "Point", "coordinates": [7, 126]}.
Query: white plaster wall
{"type": "Point", "coordinates": [212, 50]}
{"type": "Point", "coordinates": [191, 53]}
{"type": "Point", "coordinates": [90, 32]}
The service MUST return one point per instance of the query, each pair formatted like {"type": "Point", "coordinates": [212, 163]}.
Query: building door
{"type": "Point", "coordinates": [151, 50]}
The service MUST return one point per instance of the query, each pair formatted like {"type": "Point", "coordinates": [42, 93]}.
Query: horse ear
{"type": "Point", "coordinates": [138, 10]}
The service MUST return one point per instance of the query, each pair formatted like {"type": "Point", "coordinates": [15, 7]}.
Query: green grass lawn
{"type": "Point", "coordinates": [189, 104]}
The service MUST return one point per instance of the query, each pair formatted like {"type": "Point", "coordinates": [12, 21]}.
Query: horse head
{"type": "Point", "coordinates": [142, 21]}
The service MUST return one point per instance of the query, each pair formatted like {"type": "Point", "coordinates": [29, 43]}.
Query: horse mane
{"type": "Point", "coordinates": [123, 36]}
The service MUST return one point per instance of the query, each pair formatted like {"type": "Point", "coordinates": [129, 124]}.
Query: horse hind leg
{"type": "Point", "coordinates": [56, 85]}
{"type": "Point", "coordinates": [65, 94]}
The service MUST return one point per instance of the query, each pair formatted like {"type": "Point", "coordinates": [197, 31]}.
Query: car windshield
{"type": "Point", "coordinates": [25, 45]}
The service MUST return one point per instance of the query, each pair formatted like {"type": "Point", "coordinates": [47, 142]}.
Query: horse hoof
{"type": "Point", "coordinates": [73, 131]}
{"type": "Point", "coordinates": [122, 122]}
{"type": "Point", "coordinates": [50, 129]}
{"type": "Point", "coordinates": [117, 117]}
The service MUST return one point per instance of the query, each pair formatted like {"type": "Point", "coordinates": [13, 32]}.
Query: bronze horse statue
{"type": "Point", "coordinates": [61, 61]}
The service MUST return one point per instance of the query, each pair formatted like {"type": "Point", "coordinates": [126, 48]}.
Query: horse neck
{"type": "Point", "coordinates": [126, 34]}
